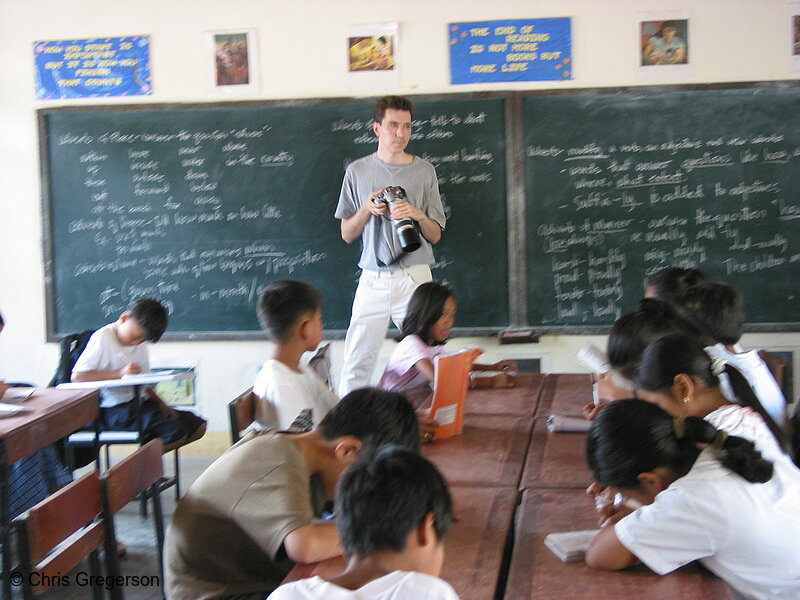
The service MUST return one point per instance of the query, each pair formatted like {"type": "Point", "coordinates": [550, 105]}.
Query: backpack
{"type": "Point", "coordinates": [72, 346]}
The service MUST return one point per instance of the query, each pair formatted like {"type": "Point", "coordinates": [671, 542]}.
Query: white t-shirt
{"type": "Point", "coordinates": [746, 533]}
{"type": "Point", "coordinates": [746, 423]}
{"type": "Point", "coordinates": [105, 352]}
{"type": "Point", "coordinates": [401, 374]}
{"type": "Point", "coordinates": [284, 393]}
{"type": "Point", "coordinates": [757, 374]}
{"type": "Point", "coordinates": [398, 585]}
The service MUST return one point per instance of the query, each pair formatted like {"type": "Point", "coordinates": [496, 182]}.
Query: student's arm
{"type": "Point", "coordinates": [607, 552]}
{"type": "Point", "coordinates": [500, 365]}
{"type": "Point", "coordinates": [312, 543]}
{"type": "Point", "coordinates": [101, 375]}
{"type": "Point", "coordinates": [425, 366]}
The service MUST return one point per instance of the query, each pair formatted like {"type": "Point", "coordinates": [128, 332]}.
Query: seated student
{"type": "Point", "coordinates": [250, 516]}
{"type": "Point", "coordinates": [707, 496]}
{"type": "Point", "coordinates": [33, 478]}
{"type": "Point", "coordinates": [718, 310]}
{"type": "Point", "coordinates": [118, 349]}
{"type": "Point", "coordinates": [429, 318]}
{"type": "Point", "coordinates": [392, 513]}
{"type": "Point", "coordinates": [291, 396]}
{"type": "Point", "coordinates": [670, 283]}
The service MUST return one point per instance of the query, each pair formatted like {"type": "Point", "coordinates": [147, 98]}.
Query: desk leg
{"type": "Point", "coordinates": [5, 521]}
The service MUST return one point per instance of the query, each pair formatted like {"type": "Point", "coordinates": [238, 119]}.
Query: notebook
{"type": "Point", "coordinates": [570, 546]}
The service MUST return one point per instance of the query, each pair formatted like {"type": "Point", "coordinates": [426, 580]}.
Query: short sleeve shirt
{"type": "Point", "coordinates": [397, 585]}
{"type": "Point", "coordinates": [401, 374]}
{"type": "Point", "coordinates": [369, 174]}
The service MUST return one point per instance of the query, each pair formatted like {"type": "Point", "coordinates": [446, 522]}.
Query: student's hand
{"type": "Point", "coordinates": [130, 369]}
{"type": "Point", "coordinates": [3, 387]}
{"type": "Point", "coordinates": [608, 390]}
{"type": "Point", "coordinates": [427, 428]}
{"type": "Point", "coordinates": [504, 365]}
{"type": "Point", "coordinates": [591, 410]}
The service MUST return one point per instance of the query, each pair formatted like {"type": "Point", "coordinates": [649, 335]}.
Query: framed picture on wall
{"type": "Point", "coordinates": [663, 44]}
{"type": "Point", "coordinates": [231, 59]}
{"type": "Point", "coordinates": [794, 21]}
{"type": "Point", "coordinates": [372, 57]}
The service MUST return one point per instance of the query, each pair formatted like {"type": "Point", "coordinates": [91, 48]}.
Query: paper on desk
{"type": "Point", "coordinates": [570, 546]}
{"type": "Point", "coordinates": [17, 394]}
{"type": "Point", "coordinates": [9, 410]}
{"type": "Point", "coordinates": [563, 423]}
{"type": "Point", "coordinates": [148, 375]}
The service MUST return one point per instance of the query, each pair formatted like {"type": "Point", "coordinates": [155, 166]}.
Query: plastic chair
{"type": "Point", "coordinates": [53, 536]}
{"type": "Point", "coordinates": [451, 379]}
{"type": "Point", "coordinates": [242, 413]}
{"type": "Point", "coordinates": [137, 474]}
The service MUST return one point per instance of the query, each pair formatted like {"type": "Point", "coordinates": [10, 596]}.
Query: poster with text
{"type": "Point", "coordinates": [91, 68]}
{"type": "Point", "coordinates": [511, 50]}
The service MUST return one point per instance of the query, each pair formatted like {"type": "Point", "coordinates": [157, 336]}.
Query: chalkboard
{"type": "Point", "coordinates": [204, 205]}
{"type": "Point", "coordinates": [620, 183]}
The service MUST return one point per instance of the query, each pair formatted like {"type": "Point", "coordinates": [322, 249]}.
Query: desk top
{"type": "Point", "coordinates": [536, 573]}
{"type": "Point", "coordinates": [490, 451]}
{"type": "Point", "coordinates": [565, 395]}
{"type": "Point", "coordinates": [520, 400]}
{"type": "Point", "coordinates": [473, 548]}
{"type": "Point", "coordinates": [48, 415]}
{"type": "Point", "coordinates": [129, 380]}
{"type": "Point", "coordinates": [555, 459]}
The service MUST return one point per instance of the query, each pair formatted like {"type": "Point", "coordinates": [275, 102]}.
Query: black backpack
{"type": "Point", "coordinates": [72, 346]}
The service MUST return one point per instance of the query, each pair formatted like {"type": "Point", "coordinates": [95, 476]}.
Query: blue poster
{"type": "Point", "coordinates": [92, 68]}
{"type": "Point", "coordinates": [512, 50]}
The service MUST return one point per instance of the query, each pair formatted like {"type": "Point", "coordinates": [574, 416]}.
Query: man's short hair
{"type": "Point", "coordinates": [384, 497]}
{"type": "Point", "coordinates": [717, 308]}
{"type": "Point", "coordinates": [283, 302]}
{"type": "Point", "coordinates": [152, 316]}
{"type": "Point", "coordinates": [376, 417]}
{"type": "Point", "coordinates": [395, 102]}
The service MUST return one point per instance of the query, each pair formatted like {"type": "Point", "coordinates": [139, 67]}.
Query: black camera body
{"type": "Point", "coordinates": [404, 229]}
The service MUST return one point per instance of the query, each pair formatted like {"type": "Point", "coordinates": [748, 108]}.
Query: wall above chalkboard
{"type": "Point", "coordinates": [204, 205]}
{"type": "Point", "coordinates": [559, 204]}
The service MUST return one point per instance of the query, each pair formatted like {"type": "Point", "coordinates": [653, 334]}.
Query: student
{"type": "Point", "coordinates": [718, 310]}
{"type": "Point", "coordinates": [250, 516]}
{"type": "Point", "coordinates": [33, 478]}
{"type": "Point", "coordinates": [670, 283]}
{"type": "Point", "coordinates": [678, 375]}
{"type": "Point", "coordinates": [707, 496]}
{"type": "Point", "coordinates": [291, 395]}
{"type": "Point", "coordinates": [392, 513]}
{"type": "Point", "coordinates": [117, 350]}
{"type": "Point", "coordinates": [426, 327]}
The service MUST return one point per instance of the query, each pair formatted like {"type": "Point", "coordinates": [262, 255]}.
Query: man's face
{"type": "Point", "coordinates": [394, 132]}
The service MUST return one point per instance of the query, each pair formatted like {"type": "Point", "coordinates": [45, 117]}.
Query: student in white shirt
{"type": "Point", "coordinates": [706, 496]}
{"type": "Point", "coordinates": [392, 512]}
{"type": "Point", "coordinates": [291, 396]}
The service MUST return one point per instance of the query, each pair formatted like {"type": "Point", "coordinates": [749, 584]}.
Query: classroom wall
{"type": "Point", "coordinates": [301, 54]}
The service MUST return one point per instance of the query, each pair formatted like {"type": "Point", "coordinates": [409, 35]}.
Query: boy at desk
{"type": "Point", "coordinates": [291, 396]}
{"type": "Point", "coordinates": [392, 512]}
{"type": "Point", "coordinates": [251, 515]}
{"type": "Point", "coordinates": [117, 350]}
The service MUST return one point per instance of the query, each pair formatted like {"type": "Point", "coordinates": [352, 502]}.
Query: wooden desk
{"type": "Point", "coordinates": [473, 548]}
{"type": "Point", "coordinates": [565, 395]}
{"type": "Point", "coordinates": [520, 400]}
{"type": "Point", "coordinates": [50, 415]}
{"type": "Point", "coordinates": [536, 573]}
{"type": "Point", "coordinates": [555, 459]}
{"type": "Point", "coordinates": [490, 451]}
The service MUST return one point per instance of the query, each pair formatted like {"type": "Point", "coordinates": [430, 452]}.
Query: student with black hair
{"type": "Point", "coordinates": [393, 511]}
{"type": "Point", "coordinates": [669, 283]}
{"type": "Point", "coordinates": [291, 395]}
{"type": "Point", "coordinates": [118, 349]}
{"type": "Point", "coordinates": [717, 308]}
{"type": "Point", "coordinates": [250, 516]}
{"type": "Point", "coordinates": [706, 496]}
{"type": "Point", "coordinates": [426, 327]}
{"type": "Point", "coordinates": [677, 374]}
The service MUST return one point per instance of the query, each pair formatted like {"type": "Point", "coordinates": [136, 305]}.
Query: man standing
{"type": "Point", "coordinates": [388, 275]}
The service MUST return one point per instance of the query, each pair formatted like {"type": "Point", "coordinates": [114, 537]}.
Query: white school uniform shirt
{"type": "Point", "coordinates": [284, 393]}
{"type": "Point", "coordinates": [397, 585]}
{"type": "Point", "coordinates": [746, 533]}
{"type": "Point", "coordinates": [757, 374]}
{"type": "Point", "coordinates": [104, 352]}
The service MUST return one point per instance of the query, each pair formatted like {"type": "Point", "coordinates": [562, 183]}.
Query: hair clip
{"type": "Point", "coordinates": [718, 365]}
{"type": "Point", "coordinates": [719, 441]}
{"type": "Point", "coordinates": [679, 425]}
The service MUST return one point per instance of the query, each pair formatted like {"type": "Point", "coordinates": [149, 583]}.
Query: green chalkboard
{"type": "Point", "coordinates": [203, 206]}
{"type": "Point", "coordinates": [622, 183]}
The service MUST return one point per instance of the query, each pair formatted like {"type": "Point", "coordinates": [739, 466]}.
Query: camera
{"type": "Point", "coordinates": [404, 229]}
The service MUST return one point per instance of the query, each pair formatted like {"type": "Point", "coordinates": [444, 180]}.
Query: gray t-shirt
{"type": "Point", "coordinates": [378, 240]}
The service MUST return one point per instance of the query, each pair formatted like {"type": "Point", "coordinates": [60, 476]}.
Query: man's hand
{"type": "Point", "coordinates": [406, 210]}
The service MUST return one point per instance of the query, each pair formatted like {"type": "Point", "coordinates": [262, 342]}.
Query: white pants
{"type": "Point", "coordinates": [380, 295]}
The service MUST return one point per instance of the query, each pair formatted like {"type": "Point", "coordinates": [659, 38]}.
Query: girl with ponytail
{"type": "Point", "coordinates": [706, 496]}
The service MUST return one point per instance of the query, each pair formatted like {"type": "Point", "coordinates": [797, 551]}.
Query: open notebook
{"type": "Point", "coordinates": [450, 384]}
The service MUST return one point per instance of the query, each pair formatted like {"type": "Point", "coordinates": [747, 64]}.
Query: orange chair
{"type": "Point", "coordinates": [138, 473]}
{"type": "Point", "coordinates": [451, 379]}
{"type": "Point", "coordinates": [53, 536]}
{"type": "Point", "coordinates": [242, 412]}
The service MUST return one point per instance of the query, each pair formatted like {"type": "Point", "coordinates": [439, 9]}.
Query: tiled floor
{"type": "Point", "coordinates": [138, 535]}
